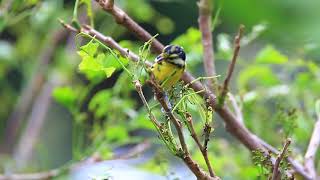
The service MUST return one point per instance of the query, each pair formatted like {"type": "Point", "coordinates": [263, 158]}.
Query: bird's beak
{"type": "Point", "coordinates": [161, 56]}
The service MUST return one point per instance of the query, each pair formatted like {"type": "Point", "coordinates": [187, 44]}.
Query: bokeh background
{"type": "Point", "coordinates": [51, 114]}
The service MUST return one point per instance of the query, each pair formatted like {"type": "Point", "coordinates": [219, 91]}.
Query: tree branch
{"type": "Point", "coordinates": [203, 149]}
{"type": "Point", "coordinates": [25, 147]}
{"type": "Point", "coordinates": [193, 166]}
{"type": "Point", "coordinates": [276, 172]}
{"type": "Point", "coordinates": [224, 90]}
{"type": "Point", "coordinates": [32, 88]}
{"type": "Point", "coordinates": [122, 18]}
{"type": "Point", "coordinates": [160, 97]}
{"type": "Point", "coordinates": [204, 20]}
{"type": "Point", "coordinates": [309, 162]}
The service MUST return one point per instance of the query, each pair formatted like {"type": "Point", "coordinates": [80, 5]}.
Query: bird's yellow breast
{"type": "Point", "coordinates": [166, 74]}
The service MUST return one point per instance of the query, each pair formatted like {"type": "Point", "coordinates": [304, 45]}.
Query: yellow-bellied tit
{"type": "Point", "coordinates": [169, 66]}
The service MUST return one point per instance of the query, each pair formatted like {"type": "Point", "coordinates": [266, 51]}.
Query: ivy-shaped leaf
{"type": "Point", "coordinates": [89, 49]}
{"type": "Point", "coordinates": [95, 64]}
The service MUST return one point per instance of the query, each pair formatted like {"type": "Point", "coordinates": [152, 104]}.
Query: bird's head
{"type": "Point", "coordinates": [173, 54]}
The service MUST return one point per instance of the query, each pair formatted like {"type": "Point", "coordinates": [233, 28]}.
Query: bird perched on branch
{"type": "Point", "coordinates": [169, 66]}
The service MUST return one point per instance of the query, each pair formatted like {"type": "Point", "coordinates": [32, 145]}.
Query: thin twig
{"type": "Point", "coordinates": [138, 87]}
{"type": "Point", "coordinates": [236, 108]}
{"type": "Point", "coordinates": [276, 172]}
{"type": "Point", "coordinates": [122, 18]}
{"type": "Point", "coordinates": [67, 26]}
{"type": "Point", "coordinates": [204, 20]}
{"type": "Point", "coordinates": [203, 149]}
{"type": "Point", "coordinates": [135, 151]}
{"type": "Point", "coordinates": [225, 86]}
{"type": "Point", "coordinates": [309, 158]}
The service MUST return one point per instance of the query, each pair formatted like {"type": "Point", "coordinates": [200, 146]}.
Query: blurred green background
{"type": "Point", "coordinates": [50, 113]}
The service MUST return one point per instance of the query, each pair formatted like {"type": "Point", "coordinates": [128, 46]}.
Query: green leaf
{"type": "Point", "coordinates": [65, 96]}
{"type": "Point", "coordinates": [111, 61]}
{"type": "Point", "coordinates": [116, 133]}
{"type": "Point", "coordinates": [313, 67]}
{"type": "Point", "coordinates": [90, 48]}
{"type": "Point", "coordinates": [89, 64]}
{"type": "Point", "coordinates": [109, 71]}
{"type": "Point", "coordinates": [100, 99]}
{"type": "Point", "coordinates": [2, 23]}
{"type": "Point", "coordinates": [270, 55]}
{"type": "Point", "coordinates": [317, 107]}
{"type": "Point", "coordinates": [94, 66]}
{"type": "Point", "coordinates": [303, 80]}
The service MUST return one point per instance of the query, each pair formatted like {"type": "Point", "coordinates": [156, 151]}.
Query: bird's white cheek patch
{"type": "Point", "coordinates": [178, 62]}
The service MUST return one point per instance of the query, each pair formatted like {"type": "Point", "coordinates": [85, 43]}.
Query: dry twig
{"type": "Point", "coordinates": [225, 86]}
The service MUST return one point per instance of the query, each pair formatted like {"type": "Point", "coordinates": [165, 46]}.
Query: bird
{"type": "Point", "coordinates": [169, 66]}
